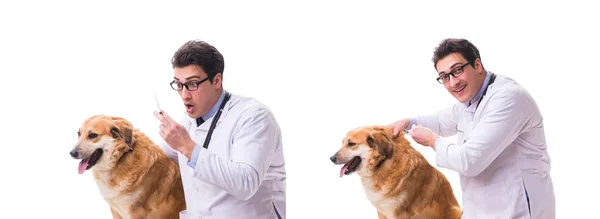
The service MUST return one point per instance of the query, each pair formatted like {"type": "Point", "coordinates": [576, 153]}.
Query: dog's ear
{"type": "Point", "coordinates": [381, 140]}
{"type": "Point", "coordinates": [124, 130]}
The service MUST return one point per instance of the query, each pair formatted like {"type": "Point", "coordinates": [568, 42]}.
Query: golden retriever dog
{"type": "Point", "coordinates": [397, 179]}
{"type": "Point", "coordinates": [133, 174]}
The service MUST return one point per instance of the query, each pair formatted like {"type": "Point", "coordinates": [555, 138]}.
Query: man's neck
{"type": "Point", "coordinates": [215, 106]}
{"type": "Point", "coordinates": [484, 85]}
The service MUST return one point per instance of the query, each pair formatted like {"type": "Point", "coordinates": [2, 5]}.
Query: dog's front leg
{"type": "Point", "coordinates": [381, 216]}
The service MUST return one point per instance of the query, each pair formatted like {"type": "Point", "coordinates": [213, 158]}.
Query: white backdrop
{"type": "Point", "coordinates": [322, 67]}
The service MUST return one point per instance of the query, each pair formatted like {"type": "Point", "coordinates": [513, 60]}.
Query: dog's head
{"type": "Point", "coordinates": [364, 146]}
{"type": "Point", "coordinates": [101, 141]}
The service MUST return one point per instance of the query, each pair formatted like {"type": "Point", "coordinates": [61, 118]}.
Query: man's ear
{"type": "Point", "coordinates": [124, 130]}
{"type": "Point", "coordinates": [217, 81]}
{"type": "Point", "coordinates": [478, 65]}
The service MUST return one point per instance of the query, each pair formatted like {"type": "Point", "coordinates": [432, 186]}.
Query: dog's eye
{"type": "Point", "coordinates": [92, 135]}
{"type": "Point", "coordinates": [350, 144]}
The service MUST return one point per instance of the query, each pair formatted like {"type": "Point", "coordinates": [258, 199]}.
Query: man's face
{"type": "Point", "coordinates": [197, 102]}
{"type": "Point", "coordinates": [465, 86]}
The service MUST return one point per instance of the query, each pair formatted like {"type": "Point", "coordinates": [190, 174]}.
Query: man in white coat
{"type": "Point", "coordinates": [229, 147]}
{"type": "Point", "coordinates": [500, 154]}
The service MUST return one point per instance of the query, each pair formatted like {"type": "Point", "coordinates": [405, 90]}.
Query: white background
{"type": "Point", "coordinates": [337, 65]}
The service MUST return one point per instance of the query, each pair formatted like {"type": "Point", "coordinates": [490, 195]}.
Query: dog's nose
{"type": "Point", "coordinates": [74, 153]}
{"type": "Point", "coordinates": [333, 159]}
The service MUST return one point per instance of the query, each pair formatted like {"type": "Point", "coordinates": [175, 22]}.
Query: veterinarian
{"type": "Point", "coordinates": [500, 153]}
{"type": "Point", "coordinates": [229, 147]}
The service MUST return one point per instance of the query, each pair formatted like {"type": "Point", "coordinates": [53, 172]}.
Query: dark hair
{"type": "Point", "coordinates": [453, 45]}
{"type": "Point", "coordinates": [202, 54]}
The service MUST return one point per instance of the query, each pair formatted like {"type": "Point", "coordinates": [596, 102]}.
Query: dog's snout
{"type": "Point", "coordinates": [74, 153]}
{"type": "Point", "coordinates": [333, 158]}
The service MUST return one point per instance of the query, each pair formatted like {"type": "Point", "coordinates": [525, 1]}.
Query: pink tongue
{"type": "Point", "coordinates": [82, 165]}
{"type": "Point", "coordinates": [344, 168]}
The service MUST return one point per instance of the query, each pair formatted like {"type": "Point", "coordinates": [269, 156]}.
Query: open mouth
{"type": "Point", "coordinates": [89, 162]}
{"type": "Point", "coordinates": [350, 166]}
{"type": "Point", "coordinates": [189, 107]}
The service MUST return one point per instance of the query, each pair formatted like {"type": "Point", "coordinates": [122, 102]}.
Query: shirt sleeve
{"type": "Point", "coordinates": [412, 121]}
{"type": "Point", "coordinates": [194, 158]}
{"type": "Point", "coordinates": [503, 120]}
{"type": "Point", "coordinates": [254, 143]}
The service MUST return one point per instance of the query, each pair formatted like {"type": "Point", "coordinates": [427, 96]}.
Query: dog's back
{"type": "Point", "coordinates": [157, 191]}
{"type": "Point", "coordinates": [425, 192]}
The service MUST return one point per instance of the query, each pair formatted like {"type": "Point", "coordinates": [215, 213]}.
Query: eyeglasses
{"type": "Point", "coordinates": [191, 85]}
{"type": "Point", "coordinates": [457, 72]}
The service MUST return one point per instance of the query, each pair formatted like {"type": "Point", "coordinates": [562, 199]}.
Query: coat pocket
{"type": "Point", "coordinates": [518, 206]}
{"type": "Point", "coordinates": [527, 199]}
{"type": "Point", "coordinates": [481, 202]}
{"type": "Point", "coordinates": [461, 133]}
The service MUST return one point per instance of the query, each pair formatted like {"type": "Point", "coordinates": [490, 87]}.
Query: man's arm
{"type": "Point", "coordinates": [253, 147]}
{"type": "Point", "coordinates": [442, 123]}
{"type": "Point", "coordinates": [506, 116]}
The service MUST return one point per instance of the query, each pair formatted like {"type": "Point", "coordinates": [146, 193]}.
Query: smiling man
{"type": "Point", "coordinates": [500, 153]}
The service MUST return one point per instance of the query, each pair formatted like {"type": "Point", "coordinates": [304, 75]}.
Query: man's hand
{"type": "Point", "coordinates": [399, 125]}
{"type": "Point", "coordinates": [175, 134]}
{"type": "Point", "coordinates": [423, 136]}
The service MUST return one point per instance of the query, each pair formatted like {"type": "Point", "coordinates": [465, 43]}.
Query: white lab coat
{"type": "Point", "coordinates": [500, 154]}
{"type": "Point", "coordinates": [242, 173]}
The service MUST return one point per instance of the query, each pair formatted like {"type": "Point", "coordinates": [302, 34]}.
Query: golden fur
{"type": "Point", "coordinates": [397, 179]}
{"type": "Point", "coordinates": [134, 175]}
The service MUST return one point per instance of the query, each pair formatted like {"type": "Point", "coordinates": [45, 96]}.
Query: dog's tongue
{"type": "Point", "coordinates": [83, 165]}
{"type": "Point", "coordinates": [344, 168]}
